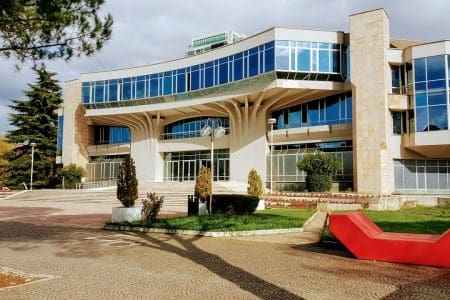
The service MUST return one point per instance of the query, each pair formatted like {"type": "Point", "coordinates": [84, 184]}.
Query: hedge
{"type": "Point", "coordinates": [234, 203]}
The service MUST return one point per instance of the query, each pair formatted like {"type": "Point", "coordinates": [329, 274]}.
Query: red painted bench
{"type": "Point", "coordinates": [367, 241]}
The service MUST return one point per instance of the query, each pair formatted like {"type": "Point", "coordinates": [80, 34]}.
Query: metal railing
{"type": "Point", "coordinates": [96, 184]}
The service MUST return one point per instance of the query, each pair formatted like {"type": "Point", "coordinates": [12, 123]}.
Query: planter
{"type": "Point", "coordinates": [125, 214]}
{"type": "Point", "coordinates": [261, 205]}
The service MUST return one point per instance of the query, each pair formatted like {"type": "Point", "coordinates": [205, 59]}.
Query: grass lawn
{"type": "Point", "coordinates": [420, 219]}
{"type": "Point", "coordinates": [265, 219]}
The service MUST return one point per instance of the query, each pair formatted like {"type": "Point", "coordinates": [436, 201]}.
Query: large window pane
{"type": "Point", "coordinates": [324, 61]}
{"type": "Point", "coordinates": [253, 64]}
{"type": "Point", "coordinates": [419, 70]}
{"type": "Point", "coordinates": [438, 117]}
{"type": "Point", "coordinates": [304, 60]}
{"type": "Point", "coordinates": [269, 56]}
{"type": "Point", "coordinates": [112, 92]}
{"type": "Point", "coordinates": [126, 89]}
{"type": "Point", "coordinates": [223, 73]}
{"type": "Point", "coordinates": [332, 109]}
{"type": "Point", "coordinates": [435, 67]}
{"type": "Point", "coordinates": [437, 97]}
{"type": "Point", "coordinates": [209, 76]}
{"type": "Point", "coordinates": [181, 83]}
{"type": "Point", "coordinates": [86, 94]}
{"type": "Point", "coordinates": [282, 58]}
{"type": "Point", "coordinates": [99, 93]}
{"type": "Point", "coordinates": [237, 65]}
{"type": "Point", "coordinates": [140, 89]}
{"type": "Point", "coordinates": [421, 99]}
{"type": "Point", "coordinates": [422, 119]}
{"type": "Point", "coordinates": [313, 113]}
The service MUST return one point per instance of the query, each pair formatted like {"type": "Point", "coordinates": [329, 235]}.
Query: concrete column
{"type": "Point", "coordinates": [76, 132]}
{"type": "Point", "coordinates": [145, 152]}
{"type": "Point", "coordinates": [371, 79]}
{"type": "Point", "coordinates": [248, 149]}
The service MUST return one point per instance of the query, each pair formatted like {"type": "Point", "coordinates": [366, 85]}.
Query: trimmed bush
{"type": "Point", "coordinates": [255, 184]}
{"type": "Point", "coordinates": [127, 184]}
{"type": "Point", "coordinates": [234, 204]}
{"type": "Point", "coordinates": [318, 182]}
{"type": "Point", "coordinates": [319, 168]}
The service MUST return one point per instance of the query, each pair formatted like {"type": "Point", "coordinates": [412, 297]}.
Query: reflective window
{"type": "Point", "coordinates": [431, 94]}
{"type": "Point", "coordinates": [293, 56]}
{"type": "Point", "coordinates": [59, 140]}
{"type": "Point", "coordinates": [327, 111]}
{"type": "Point", "coordinates": [111, 135]}
{"type": "Point", "coordinates": [421, 175]}
{"type": "Point", "coordinates": [190, 128]}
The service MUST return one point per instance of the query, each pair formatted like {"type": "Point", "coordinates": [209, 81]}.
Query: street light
{"type": "Point", "coordinates": [32, 164]}
{"type": "Point", "coordinates": [271, 121]}
{"type": "Point", "coordinates": [213, 132]}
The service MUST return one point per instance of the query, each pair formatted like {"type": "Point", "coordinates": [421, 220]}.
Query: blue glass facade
{"type": "Point", "coordinates": [111, 135]}
{"type": "Point", "coordinates": [190, 128]}
{"type": "Point", "coordinates": [59, 138]}
{"type": "Point", "coordinates": [431, 93]}
{"type": "Point", "coordinates": [285, 56]}
{"type": "Point", "coordinates": [327, 111]}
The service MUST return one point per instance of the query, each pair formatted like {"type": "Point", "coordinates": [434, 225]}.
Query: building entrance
{"type": "Point", "coordinates": [184, 166]}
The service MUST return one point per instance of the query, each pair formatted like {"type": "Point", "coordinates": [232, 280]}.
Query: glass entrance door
{"type": "Point", "coordinates": [188, 170]}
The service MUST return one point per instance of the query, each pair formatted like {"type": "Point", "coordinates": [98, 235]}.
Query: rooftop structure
{"type": "Point", "coordinates": [213, 41]}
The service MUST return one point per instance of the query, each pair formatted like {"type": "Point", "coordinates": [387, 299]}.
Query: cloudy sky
{"type": "Point", "coordinates": [149, 31]}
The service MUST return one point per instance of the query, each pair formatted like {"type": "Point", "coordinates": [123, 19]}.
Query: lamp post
{"type": "Point", "coordinates": [32, 164]}
{"type": "Point", "coordinates": [213, 132]}
{"type": "Point", "coordinates": [271, 121]}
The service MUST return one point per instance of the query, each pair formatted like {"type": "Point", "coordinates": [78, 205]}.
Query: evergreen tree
{"type": "Point", "coordinates": [127, 183]}
{"type": "Point", "coordinates": [35, 120]}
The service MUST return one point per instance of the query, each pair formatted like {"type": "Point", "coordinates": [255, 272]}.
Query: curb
{"type": "Point", "coordinates": [204, 233]}
{"type": "Point", "coordinates": [14, 195]}
{"type": "Point", "coordinates": [311, 219]}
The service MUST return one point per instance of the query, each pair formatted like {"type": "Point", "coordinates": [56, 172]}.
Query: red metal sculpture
{"type": "Point", "coordinates": [367, 241]}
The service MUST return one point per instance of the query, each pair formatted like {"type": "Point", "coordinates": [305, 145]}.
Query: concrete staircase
{"type": "Point", "coordinates": [175, 195]}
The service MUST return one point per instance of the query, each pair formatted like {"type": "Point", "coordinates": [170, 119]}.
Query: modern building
{"type": "Point", "coordinates": [379, 104]}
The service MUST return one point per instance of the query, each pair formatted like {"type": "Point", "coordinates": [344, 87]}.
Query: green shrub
{"type": "Point", "coordinates": [234, 204]}
{"type": "Point", "coordinates": [72, 175]}
{"type": "Point", "coordinates": [127, 184]}
{"type": "Point", "coordinates": [203, 183]}
{"type": "Point", "coordinates": [319, 168]}
{"type": "Point", "coordinates": [255, 184]}
{"type": "Point", "coordinates": [318, 182]}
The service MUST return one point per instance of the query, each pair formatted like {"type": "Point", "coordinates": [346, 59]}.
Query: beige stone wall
{"type": "Point", "coordinates": [77, 134]}
{"type": "Point", "coordinates": [372, 122]}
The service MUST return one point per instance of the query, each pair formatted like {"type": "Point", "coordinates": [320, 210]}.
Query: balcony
{"type": "Point", "coordinates": [432, 144]}
{"type": "Point", "coordinates": [108, 149]}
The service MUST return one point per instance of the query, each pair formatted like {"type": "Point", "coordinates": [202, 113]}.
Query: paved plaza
{"type": "Point", "coordinates": [78, 260]}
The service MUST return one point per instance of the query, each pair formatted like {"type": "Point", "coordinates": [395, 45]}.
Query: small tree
{"type": "Point", "coordinates": [72, 175]}
{"type": "Point", "coordinates": [203, 183]}
{"type": "Point", "coordinates": [151, 207]}
{"type": "Point", "coordinates": [127, 184]}
{"type": "Point", "coordinates": [319, 168]}
{"type": "Point", "coordinates": [255, 184]}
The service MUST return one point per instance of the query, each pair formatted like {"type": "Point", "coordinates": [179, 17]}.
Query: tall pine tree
{"type": "Point", "coordinates": [35, 120]}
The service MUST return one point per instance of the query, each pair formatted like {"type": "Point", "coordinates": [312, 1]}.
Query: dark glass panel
{"type": "Point", "coordinates": [99, 93]}
{"type": "Point", "coordinates": [223, 73]}
{"type": "Point", "coordinates": [313, 113]}
{"type": "Point", "coordinates": [419, 70]}
{"type": "Point", "coordinates": [112, 93]}
{"type": "Point", "coordinates": [126, 90]}
{"type": "Point", "coordinates": [253, 64]}
{"type": "Point", "coordinates": [435, 67]}
{"type": "Point", "coordinates": [324, 61]}
{"type": "Point", "coordinates": [86, 94]}
{"type": "Point", "coordinates": [209, 76]}
{"type": "Point", "coordinates": [421, 119]}
{"type": "Point", "coordinates": [437, 97]}
{"type": "Point", "coordinates": [421, 99]}
{"type": "Point", "coordinates": [140, 89]}
{"type": "Point", "coordinates": [154, 88]}
{"type": "Point", "coordinates": [420, 86]}
{"type": "Point", "coordinates": [269, 56]}
{"type": "Point", "coordinates": [238, 69]}
{"type": "Point", "coordinates": [438, 117]}
{"type": "Point", "coordinates": [436, 84]}
{"type": "Point", "coordinates": [332, 110]}
{"type": "Point", "coordinates": [295, 117]}
{"type": "Point", "coordinates": [195, 80]}
{"type": "Point", "coordinates": [181, 83]}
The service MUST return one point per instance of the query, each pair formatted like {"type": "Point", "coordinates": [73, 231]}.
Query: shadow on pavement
{"type": "Point", "coordinates": [243, 279]}
{"type": "Point", "coordinates": [428, 289]}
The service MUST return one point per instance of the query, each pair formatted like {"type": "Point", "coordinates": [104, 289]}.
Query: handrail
{"type": "Point", "coordinates": [96, 184]}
